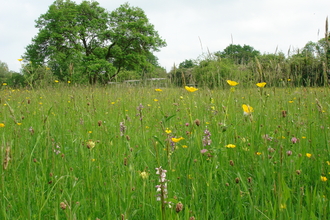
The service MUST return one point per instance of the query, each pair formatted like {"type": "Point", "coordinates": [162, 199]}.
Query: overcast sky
{"type": "Point", "coordinates": [190, 27]}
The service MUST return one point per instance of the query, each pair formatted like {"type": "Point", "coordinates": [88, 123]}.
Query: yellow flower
{"type": "Point", "coordinates": [324, 179]}
{"type": "Point", "coordinates": [308, 155]}
{"type": "Point", "coordinates": [20, 60]}
{"type": "Point", "coordinates": [283, 206]}
{"type": "Point", "coordinates": [258, 153]}
{"type": "Point", "coordinates": [184, 146]}
{"type": "Point", "coordinates": [176, 140]}
{"type": "Point", "coordinates": [232, 83]}
{"type": "Point", "coordinates": [56, 81]}
{"type": "Point", "coordinates": [168, 131]}
{"type": "Point", "coordinates": [289, 80]}
{"type": "Point", "coordinates": [190, 89]}
{"type": "Point", "coordinates": [247, 109]}
{"type": "Point", "coordinates": [158, 90]}
{"type": "Point", "coordinates": [144, 175]}
{"type": "Point", "coordinates": [156, 100]}
{"type": "Point", "coordinates": [230, 146]}
{"type": "Point", "coordinates": [90, 144]}
{"type": "Point", "coordinates": [89, 132]}
{"type": "Point", "coordinates": [69, 81]}
{"type": "Point", "coordinates": [290, 101]}
{"type": "Point", "coordinates": [261, 85]}
{"type": "Point", "coordinates": [18, 123]}
{"type": "Point", "coordinates": [328, 162]}
{"type": "Point", "coordinates": [2, 125]}
{"type": "Point", "coordinates": [4, 84]}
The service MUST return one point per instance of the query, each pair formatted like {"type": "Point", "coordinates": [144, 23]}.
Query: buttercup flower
{"type": "Point", "coordinates": [20, 60]}
{"type": "Point", "coordinates": [176, 140]}
{"type": "Point", "coordinates": [56, 81]}
{"type": "Point", "coordinates": [4, 84]}
{"type": "Point", "coordinates": [324, 179]}
{"type": "Point", "coordinates": [247, 109]}
{"type": "Point", "coordinates": [168, 131]}
{"type": "Point", "coordinates": [230, 146]}
{"type": "Point", "coordinates": [158, 90]}
{"type": "Point", "coordinates": [2, 125]}
{"type": "Point", "coordinates": [232, 83]}
{"type": "Point", "coordinates": [308, 155]}
{"type": "Point", "coordinates": [261, 85]}
{"type": "Point", "coordinates": [190, 89]}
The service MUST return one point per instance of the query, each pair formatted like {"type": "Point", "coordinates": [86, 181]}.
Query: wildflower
{"type": "Point", "coordinates": [232, 83]}
{"type": "Point", "coordinates": [158, 90]}
{"type": "Point", "coordinates": [90, 144]}
{"type": "Point", "coordinates": [20, 60]}
{"type": "Point", "coordinates": [18, 123]}
{"type": "Point", "coordinates": [144, 175]}
{"type": "Point", "coordinates": [294, 140]}
{"type": "Point", "coordinates": [291, 101]}
{"type": "Point", "coordinates": [184, 146]}
{"type": "Point", "coordinates": [62, 205]}
{"type": "Point", "coordinates": [289, 152]}
{"type": "Point", "coordinates": [156, 100]}
{"type": "Point", "coordinates": [289, 80]}
{"type": "Point", "coordinates": [230, 146]}
{"type": "Point", "coordinates": [4, 84]}
{"type": "Point", "coordinates": [203, 151]}
{"type": "Point", "coordinates": [2, 125]}
{"type": "Point", "coordinates": [261, 85]}
{"type": "Point", "coordinates": [179, 207]}
{"type": "Point", "coordinates": [258, 153]}
{"type": "Point", "coordinates": [69, 81]}
{"type": "Point", "coordinates": [247, 109]}
{"type": "Point", "coordinates": [308, 155]}
{"type": "Point", "coordinates": [89, 132]}
{"type": "Point", "coordinates": [181, 97]}
{"type": "Point", "coordinates": [190, 89]}
{"type": "Point", "coordinates": [176, 140]}
{"type": "Point", "coordinates": [207, 138]}
{"type": "Point", "coordinates": [56, 81]}
{"type": "Point", "coordinates": [162, 187]}
{"type": "Point", "coordinates": [122, 128]}
{"type": "Point", "coordinates": [324, 179]}
{"type": "Point", "coordinates": [328, 162]}
{"type": "Point", "coordinates": [283, 206]}
{"type": "Point", "coordinates": [168, 131]}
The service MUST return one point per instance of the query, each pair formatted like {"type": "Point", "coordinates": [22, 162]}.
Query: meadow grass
{"type": "Point", "coordinates": [91, 152]}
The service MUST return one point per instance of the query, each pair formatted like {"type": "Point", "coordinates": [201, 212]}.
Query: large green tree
{"type": "Point", "coordinates": [239, 54]}
{"type": "Point", "coordinates": [85, 40]}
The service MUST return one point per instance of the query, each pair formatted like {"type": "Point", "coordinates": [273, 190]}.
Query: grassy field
{"type": "Point", "coordinates": [91, 153]}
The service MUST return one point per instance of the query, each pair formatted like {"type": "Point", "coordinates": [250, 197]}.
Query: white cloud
{"type": "Point", "coordinates": [188, 25]}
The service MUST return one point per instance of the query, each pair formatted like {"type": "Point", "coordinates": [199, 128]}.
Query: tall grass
{"type": "Point", "coordinates": [91, 152]}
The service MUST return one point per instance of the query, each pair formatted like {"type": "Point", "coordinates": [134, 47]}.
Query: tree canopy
{"type": "Point", "coordinates": [239, 54]}
{"type": "Point", "coordinates": [85, 40]}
